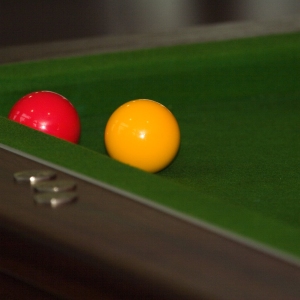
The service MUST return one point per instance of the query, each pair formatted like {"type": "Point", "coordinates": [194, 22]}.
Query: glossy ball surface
{"type": "Point", "coordinates": [144, 134]}
{"type": "Point", "coordinates": [48, 112]}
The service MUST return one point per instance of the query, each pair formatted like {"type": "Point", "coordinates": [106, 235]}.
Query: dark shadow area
{"type": "Point", "coordinates": [27, 22]}
{"type": "Point", "coordinates": [43, 20]}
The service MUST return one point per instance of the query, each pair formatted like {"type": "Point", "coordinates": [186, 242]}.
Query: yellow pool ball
{"type": "Point", "coordinates": [144, 134]}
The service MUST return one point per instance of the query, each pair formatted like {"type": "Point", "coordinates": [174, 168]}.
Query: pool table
{"type": "Point", "coordinates": [220, 222]}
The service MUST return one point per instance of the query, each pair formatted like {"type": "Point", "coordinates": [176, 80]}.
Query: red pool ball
{"type": "Point", "coordinates": [48, 112]}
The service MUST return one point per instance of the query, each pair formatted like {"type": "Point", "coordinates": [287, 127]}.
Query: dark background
{"type": "Point", "coordinates": [24, 22]}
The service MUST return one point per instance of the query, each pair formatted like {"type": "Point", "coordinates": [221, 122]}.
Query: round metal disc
{"type": "Point", "coordinates": [55, 186]}
{"type": "Point", "coordinates": [55, 199]}
{"type": "Point", "coordinates": [33, 176]}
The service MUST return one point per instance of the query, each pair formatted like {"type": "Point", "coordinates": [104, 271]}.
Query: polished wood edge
{"type": "Point", "coordinates": [105, 44]}
{"type": "Point", "coordinates": [284, 256]}
{"type": "Point", "coordinates": [13, 288]}
{"type": "Point", "coordinates": [108, 245]}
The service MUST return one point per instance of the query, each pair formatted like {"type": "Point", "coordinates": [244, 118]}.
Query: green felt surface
{"type": "Point", "coordinates": [238, 107]}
